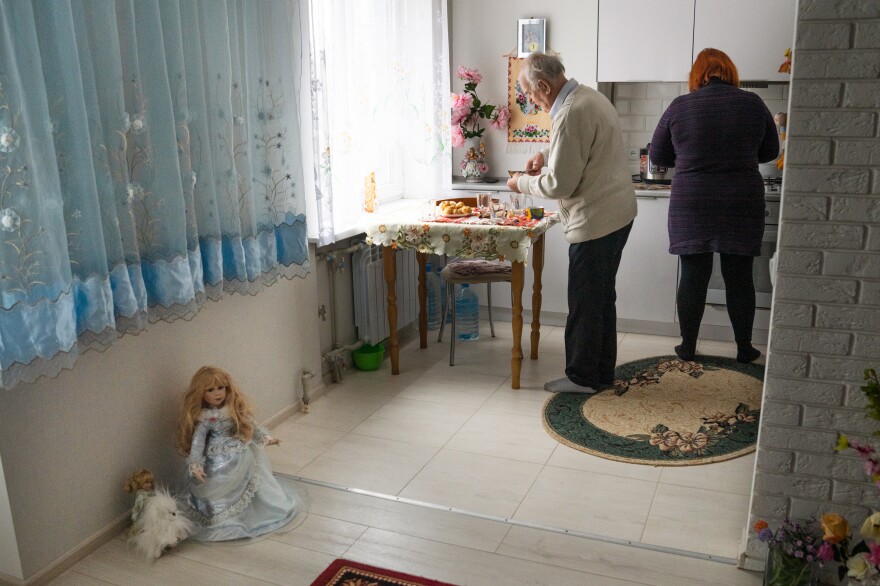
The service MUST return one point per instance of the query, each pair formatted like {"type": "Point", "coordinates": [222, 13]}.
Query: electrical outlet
{"type": "Point", "coordinates": [633, 154]}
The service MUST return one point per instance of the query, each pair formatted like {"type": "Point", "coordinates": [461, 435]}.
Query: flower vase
{"type": "Point", "coordinates": [783, 569]}
{"type": "Point", "coordinates": [473, 164]}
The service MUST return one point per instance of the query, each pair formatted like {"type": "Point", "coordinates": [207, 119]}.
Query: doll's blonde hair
{"type": "Point", "coordinates": [208, 377]}
{"type": "Point", "coordinates": [138, 481]}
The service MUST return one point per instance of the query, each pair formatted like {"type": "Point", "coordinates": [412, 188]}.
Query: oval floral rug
{"type": "Point", "coordinates": [664, 411]}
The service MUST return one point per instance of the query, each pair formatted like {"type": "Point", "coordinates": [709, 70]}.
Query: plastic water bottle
{"type": "Point", "coordinates": [467, 314]}
{"type": "Point", "coordinates": [434, 298]}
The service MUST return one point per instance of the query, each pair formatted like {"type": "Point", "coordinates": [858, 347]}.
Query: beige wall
{"type": "Point", "coordinates": [481, 32]}
{"type": "Point", "coordinates": [67, 444]}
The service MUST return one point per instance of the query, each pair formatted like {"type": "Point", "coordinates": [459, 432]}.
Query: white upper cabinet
{"type": "Point", "coordinates": [657, 40]}
{"type": "Point", "coordinates": [754, 33]}
{"type": "Point", "coordinates": [645, 40]}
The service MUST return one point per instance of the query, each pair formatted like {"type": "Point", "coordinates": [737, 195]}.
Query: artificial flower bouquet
{"type": "Point", "coordinates": [793, 558]}
{"type": "Point", "coordinates": [468, 110]}
{"type": "Point", "coordinates": [794, 550]}
{"type": "Point", "coordinates": [861, 562]}
{"type": "Point", "coordinates": [867, 450]}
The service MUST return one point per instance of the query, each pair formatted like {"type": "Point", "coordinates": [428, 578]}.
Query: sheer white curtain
{"type": "Point", "coordinates": [380, 104]}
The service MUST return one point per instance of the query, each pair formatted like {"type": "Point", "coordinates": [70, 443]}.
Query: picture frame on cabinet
{"type": "Point", "coordinates": [532, 36]}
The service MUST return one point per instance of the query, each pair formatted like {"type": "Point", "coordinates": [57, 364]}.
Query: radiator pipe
{"type": "Point", "coordinates": [331, 277]}
{"type": "Point", "coordinates": [329, 255]}
{"type": "Point", "coordinates": [336, 360]}
{"type": "Point", "coordinates": [306, 384]}
{"type": "Point", "coordinates": [336, 262]}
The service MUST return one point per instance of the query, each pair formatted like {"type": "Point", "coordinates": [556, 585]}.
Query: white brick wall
{"type": "Point", "coordinates": [640, 105]}
{"type": "Point", "coordinates": [826, 311]}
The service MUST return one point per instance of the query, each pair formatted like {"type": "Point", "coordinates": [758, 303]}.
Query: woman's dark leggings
{"type": "Point", "coordinates": [696, 270]}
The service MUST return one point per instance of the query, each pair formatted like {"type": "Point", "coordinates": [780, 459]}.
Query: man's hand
{"type": "Point", "coordinates": [511, 183]}
{"type": "Point", "coordinates": [535, 164]}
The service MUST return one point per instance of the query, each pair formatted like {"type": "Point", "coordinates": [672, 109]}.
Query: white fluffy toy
{"type": "Point", "coordinates": [157, 523]}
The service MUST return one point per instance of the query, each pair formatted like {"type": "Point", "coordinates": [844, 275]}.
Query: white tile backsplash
{"type": "Point", "coordinates": [635, 91]}
{"type": "Point", "coordinates": [771, 92]}
{"type": "Point", "coordinates": [637, 123]}
{"type": "Point", "coordinates": [664, 90]}
{"type": "Point", "coordinates": [646, 107]}
{"type": "Point", "coordinates": [640, 106]}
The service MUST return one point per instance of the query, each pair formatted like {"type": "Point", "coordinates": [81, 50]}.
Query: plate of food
{"type": "Point", "coordinates": [455, 209]}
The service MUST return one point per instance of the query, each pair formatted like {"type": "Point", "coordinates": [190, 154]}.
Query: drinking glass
{"type": "Point", "coordinates": [515, 201]}
{"type": "Point", "coordinates": [483, 200]}
{"type": "Point", "coordinates": [431, 209]}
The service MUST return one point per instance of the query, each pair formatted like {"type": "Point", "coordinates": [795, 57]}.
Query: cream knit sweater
{"type": "Point", "coordinates": [588, 172]}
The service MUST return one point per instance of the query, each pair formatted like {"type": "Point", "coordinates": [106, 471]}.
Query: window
{"type": "Point", "coordinates": [380, 104]}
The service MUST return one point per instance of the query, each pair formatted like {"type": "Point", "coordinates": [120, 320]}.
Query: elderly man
{"type": "Point", "coordinates": [587, 174]}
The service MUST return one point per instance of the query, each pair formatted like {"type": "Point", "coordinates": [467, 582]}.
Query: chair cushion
{"type": "Point", "coordinates": [476, 271]}
{"type": "Point", "coordinates": [478, 267]}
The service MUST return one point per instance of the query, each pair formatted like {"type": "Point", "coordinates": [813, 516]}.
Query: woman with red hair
{"type": "Point", "coordinates": [715, 137]}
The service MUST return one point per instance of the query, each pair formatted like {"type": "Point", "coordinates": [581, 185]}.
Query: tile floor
{"type": "Point", "coordinates": [460, 438]}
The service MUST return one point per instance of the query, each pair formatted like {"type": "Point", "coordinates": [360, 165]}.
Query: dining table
{"type": "Point", "coordinates": [427, 231]}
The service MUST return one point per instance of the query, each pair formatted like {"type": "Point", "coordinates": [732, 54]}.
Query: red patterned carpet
{"type": "Point", "coordinates": [346, 573]}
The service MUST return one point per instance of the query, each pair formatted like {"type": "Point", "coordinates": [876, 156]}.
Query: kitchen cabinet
{"type": "Point", "coordinates": [647, 276]}
{"type": "Point", "coordinates": [754, 33]}
{"type": "Point", "coordinates": [645, 40]}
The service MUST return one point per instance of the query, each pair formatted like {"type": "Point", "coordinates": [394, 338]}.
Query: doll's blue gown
{"type": "Point", "coordinates": [240, 498]}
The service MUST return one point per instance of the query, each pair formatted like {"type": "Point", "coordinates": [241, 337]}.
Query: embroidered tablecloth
{"type": "Point", "coordinates": [470, 237]}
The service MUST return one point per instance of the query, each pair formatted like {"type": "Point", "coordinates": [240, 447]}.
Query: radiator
{"type": "Point", "coordinates": [370, 301]}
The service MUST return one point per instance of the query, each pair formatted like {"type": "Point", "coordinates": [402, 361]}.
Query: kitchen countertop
{"type": "Point", "coordinates": [642, 189]}
{"type": "Point", "coordinates": [459, 183]}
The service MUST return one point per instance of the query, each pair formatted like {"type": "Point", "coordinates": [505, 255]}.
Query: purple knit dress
{"type": "Point", "coordinates": [715, 137]}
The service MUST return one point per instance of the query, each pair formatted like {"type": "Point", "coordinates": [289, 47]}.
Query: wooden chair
{"type": "Point", "coordinates": [470, 271]}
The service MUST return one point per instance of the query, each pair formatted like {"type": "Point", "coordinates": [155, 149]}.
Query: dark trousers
{"type": "Point", "coordinates": [591, 328]}
{"type": "Point", "coordinates": [696, 270]}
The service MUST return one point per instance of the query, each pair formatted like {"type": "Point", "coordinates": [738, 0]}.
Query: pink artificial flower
{"type": "Point", "coordinates": [457, 136]}
{"type": "Point", "coordinates": [872, 467]}
{"type": "Point", "coordinates": [469, 74]}
{"type": "Point", "coordinates": [502, 118]}
{"type": "Point", "coordinates": [874, 555]}
{"type": "Point", "coordinates": [826, 552]}
{"type": "Point", "coordinates": [484, 168]}
{"type": "Point", "coordinates": [461, 107]}
{"type": "Point", "coordinates": [865, 449]}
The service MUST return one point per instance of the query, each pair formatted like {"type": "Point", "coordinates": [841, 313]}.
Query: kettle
{"type": "Point", "coordinates": [652, 173]}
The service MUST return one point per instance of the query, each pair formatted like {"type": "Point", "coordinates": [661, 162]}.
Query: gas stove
{"type": "Point", "coordinates": [773, 185]}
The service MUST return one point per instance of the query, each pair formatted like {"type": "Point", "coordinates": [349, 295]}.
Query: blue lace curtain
{"type": "Point", "coordinates": [149, 160]}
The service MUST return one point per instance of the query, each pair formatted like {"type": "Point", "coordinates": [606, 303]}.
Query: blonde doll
{"type": "Point", "coordinates": [230, 490]}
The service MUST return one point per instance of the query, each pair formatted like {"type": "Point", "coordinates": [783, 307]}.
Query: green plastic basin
{"type": "Point", "coordinates": [368, 357]}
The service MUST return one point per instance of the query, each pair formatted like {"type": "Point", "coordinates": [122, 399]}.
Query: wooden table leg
{"type": "Point", "coordinates": [421, 257]}
{"type": "Point", "coordinates": [389, 267]}
{"type": "Point", "coordinates": [517, 283]}
{"type": "Point", "coordinates": [537, 268]}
